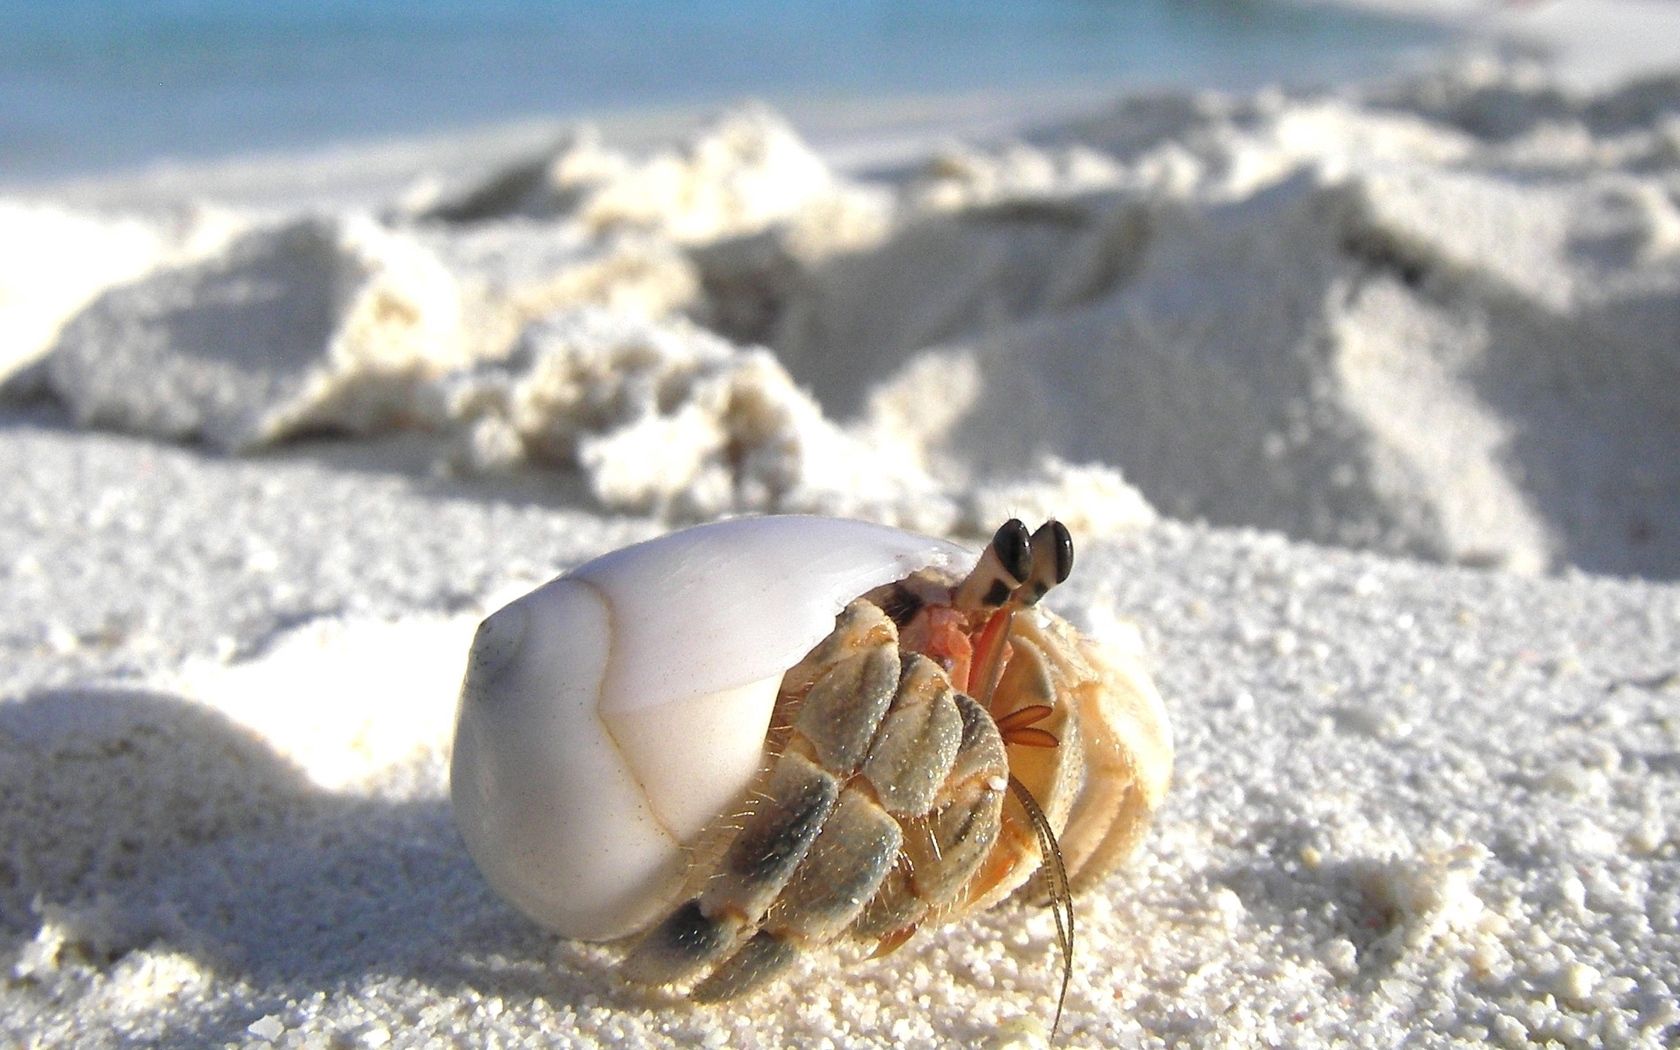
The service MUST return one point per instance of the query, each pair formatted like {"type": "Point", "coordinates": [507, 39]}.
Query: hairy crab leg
{"type": "Point", "coordinates": [960, 827]}
{"type": "Point", "coordinates": [917, 774]}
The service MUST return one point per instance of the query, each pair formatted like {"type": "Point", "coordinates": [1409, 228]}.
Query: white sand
{"type": "Point", "coordinates": [1413, 800]}
{"type": "Point", "coordinates": [1408, 798]}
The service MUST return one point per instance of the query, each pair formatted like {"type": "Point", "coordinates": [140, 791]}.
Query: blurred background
{"type": "Point", "coordinates": [1384, 274]}
{"type": "Point", "coordinates": [90, 86]}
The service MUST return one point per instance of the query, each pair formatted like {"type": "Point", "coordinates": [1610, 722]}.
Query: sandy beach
{"type": "Point", "coordinates": [1363, 406]}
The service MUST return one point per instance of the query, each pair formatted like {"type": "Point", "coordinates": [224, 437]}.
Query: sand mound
{"type": "Point", "coordinates": [58, 260]}
{"type": "Point", "coordinates": [321, 323]}
{"type": "Point", "coordinates": [736, 176]}
{"type": "Point", "coordinates": [1358, 322]}
{"type": "Point", "coordinates": [665, 418]}
{"type": "Point", "coordinates": [1436, 319]}
{"type": "Point", "coordinates": [512, 273]}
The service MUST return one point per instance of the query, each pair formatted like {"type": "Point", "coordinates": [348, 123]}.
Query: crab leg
{"type": "Point", "coordinates": [759, 862]}
{"type": "Point", "coordinates": [940, 818]}
{"type": "Point", "coordinates": [946, 846]}
{"type": "Point", "coordinates": [882, 874]}
{"type": "Point", "coordinates": [857, 676]}
{"type": "Point", "coordinates": [884, 801]}
{"type": "Point", "coordinates": [991, 653]}
{"type": "Point", "coordinates": [844, 868]}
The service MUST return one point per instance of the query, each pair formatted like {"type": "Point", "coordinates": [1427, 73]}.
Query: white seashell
{"type": "Point", "coordinates": [613, 714]}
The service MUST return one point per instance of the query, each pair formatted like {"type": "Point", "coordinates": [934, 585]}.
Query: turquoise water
{"type": "Point", "coordinates": [88, 85]}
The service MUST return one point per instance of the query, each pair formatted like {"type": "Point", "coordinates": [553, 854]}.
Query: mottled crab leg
{"type": "Point", "coordinates": [920, 773]}
{"type": "Point", "coordinates": [946, 844]}
{"type": "Point", "coordinates": [831, 737]}
{"type": "Point", "coordinates": [840, 874]}
{"type": "Point", "coordinates": [758, 863]}
{"type": "Point", "coordinates": [836, 725]}
{"type": "Point", "coordinates": [930, 788]}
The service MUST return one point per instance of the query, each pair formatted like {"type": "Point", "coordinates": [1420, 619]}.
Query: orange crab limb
{"type": "Point", "coordinates": [892, 942]}
{"type": "Point", "coordinates": [1026, 716]}
{"type": "Point", "coordinates": [991, 653]}
{"type": "Point", "coordinates": [1031, 737]}
{"type": "Point", "coordinates": [940, 636]}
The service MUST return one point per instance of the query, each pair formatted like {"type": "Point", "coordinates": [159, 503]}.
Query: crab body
{"type": "Point", "coordinates": [744, 740]}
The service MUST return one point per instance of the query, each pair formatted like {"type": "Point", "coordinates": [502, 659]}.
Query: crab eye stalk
{"type": "Point", "coordinates": [1003, 567]}
{"type": "Point", "coordinates": [1051, 562]}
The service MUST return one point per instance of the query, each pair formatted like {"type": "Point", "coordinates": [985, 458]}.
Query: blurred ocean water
{"type": "Point", "coordinates": [91, 85]}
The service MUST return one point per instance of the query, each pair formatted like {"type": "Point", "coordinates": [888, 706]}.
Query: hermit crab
{"type": "Point", "coordinates": [743, 740]}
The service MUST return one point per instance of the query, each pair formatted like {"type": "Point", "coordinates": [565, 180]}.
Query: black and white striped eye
{"type": "Point", "coordinates": [1052, 561]}
{"type": "Point", "coordinates": [1005, 564]}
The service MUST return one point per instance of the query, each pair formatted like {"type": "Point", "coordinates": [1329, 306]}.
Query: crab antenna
{"type": "Point", "coordinates": [1052, 562]}
{"type": "Point", "coordinates": [1001, 570]}
{"type": "Point", "coordinates": [1061, 893]}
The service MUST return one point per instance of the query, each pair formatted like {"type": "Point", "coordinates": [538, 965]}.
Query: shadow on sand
{"type": "Point", "coordinates": [139, 821]}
